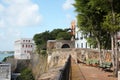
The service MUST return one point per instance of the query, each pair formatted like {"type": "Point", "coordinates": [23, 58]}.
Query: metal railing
{"type": "Point", "coordinates": [65, 71]}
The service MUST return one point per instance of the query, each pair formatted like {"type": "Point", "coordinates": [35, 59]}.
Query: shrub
{"type": "Point", "coordinates": [26, 74]}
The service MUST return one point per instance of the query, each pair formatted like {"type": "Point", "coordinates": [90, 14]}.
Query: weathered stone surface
{"type": "Point", "coordinates": [52, 74]}
{"type": "Point", "coordinates": [58, 57]}
{"type": "Point", "coordinates": [13, 63]}
{"type": "Point", "coordinates": [38, 65]}
{"type": "Point", "coordinates": [58, 44]}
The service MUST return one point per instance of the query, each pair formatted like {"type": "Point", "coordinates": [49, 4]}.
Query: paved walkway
{"type": "Point", "coordinates": [83, 72]}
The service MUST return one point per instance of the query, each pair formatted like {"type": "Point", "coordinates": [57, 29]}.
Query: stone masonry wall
{"type": "Point", "coordinates": [57, 44]}
{"type": "Point", "coordinates": [58, 57]}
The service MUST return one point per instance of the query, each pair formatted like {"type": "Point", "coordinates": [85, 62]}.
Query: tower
{"type": "Point", "coordinates": [73, 24]}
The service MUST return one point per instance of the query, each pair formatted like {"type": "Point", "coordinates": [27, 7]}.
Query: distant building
{"type": "Point", "coordinates": [5, 71]}
{"type": "Point", "coordinates": [80, 41]}
{"type": "Point", "coordinates": [23, 48]}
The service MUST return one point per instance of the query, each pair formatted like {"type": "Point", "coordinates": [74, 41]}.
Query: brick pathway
{"type": "Point", "coordinates": [83, 72]}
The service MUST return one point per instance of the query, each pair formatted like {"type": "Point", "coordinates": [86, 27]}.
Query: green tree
{"type": "Point", "coordinates": [41, 38]}
{"type": "Point", "coordinates": [101, 19]}
{"type": "Point", "coordinates": [63, 36]}
{"type": "Point", "coordinates": [55, 32]}
{"type": "Point", "coordinates": [112, 25]}
{"type": "Point", "coordinates": [26, 74]}
{"type": "Point", "coordinates": [90, 16]}
{"type": "Point", "coordinates": [60, 34]}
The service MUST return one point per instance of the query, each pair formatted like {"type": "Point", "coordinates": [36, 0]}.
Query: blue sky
{"type": "Point", "coordinates": [25, 18]}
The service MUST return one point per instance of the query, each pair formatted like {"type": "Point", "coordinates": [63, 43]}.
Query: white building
{"type": "Point", "coordinates": [80, 41]}
{"type": "Point", "coordinates": [5, 71]}
{"type": "Point", "coordinates": [23, 48]}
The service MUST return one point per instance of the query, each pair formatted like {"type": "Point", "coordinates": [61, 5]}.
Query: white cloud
{"type": "Point", "coordinates": [7, 38]}
{"type": "Point", "coordinates": [15, 1]}
{"type": "Point", "coordinates": [2, 23]}
{"type": "Point", "coordinates": [15, 33]}
{"type": "Point", "coordinates": [20, 13]}
{"type": "Point", "coordinates": [68, 16]}
{"type": "Point", "coordinates": [2, 37]}
{"type": "Point", "coordinates": [68, 4]}
{"type": "Point", "coordinates": [15, 14]}
{"type": "Point", "coordinates": [1, 7]}
{"type": "Point", "coordinates": [9, 34]}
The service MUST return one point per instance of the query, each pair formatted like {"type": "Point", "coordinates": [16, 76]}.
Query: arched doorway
{"type": "Point", "coordinates": [65, 46]}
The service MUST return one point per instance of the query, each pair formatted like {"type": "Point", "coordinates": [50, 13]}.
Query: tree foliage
{"type": "Point", "coordinates": [41, 38]}
{"type": "Point", "coordinates": [101, 18]}
{"type": "Point", "coordinates": [63, 36]}
{"type": "Point", "coordinates": [108, 24]}
{"type": "Point", "coordinates": [26, 74]}
{"type": "Point", "coordinates": [89, 18]}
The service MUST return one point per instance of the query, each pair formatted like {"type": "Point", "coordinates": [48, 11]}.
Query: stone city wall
{"type": "Point", "coordinates": [83, 54]}
{"type": "Point", "coordinates": [58, 57]}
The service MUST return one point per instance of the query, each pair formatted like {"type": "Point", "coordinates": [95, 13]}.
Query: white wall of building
{"type": "Point", "coordinates": [80, 41]}
{"type": "Point", "coordinates": [5, 71]}
{"type": "Point", "coordinates": [23, 48]}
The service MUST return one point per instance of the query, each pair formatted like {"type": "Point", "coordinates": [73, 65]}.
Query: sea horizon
{"type": "Point", "coordinates": [3, 55]}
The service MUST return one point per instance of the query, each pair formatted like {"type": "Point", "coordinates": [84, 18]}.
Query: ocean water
{"type": "Point", "coordinates": [2, 56]}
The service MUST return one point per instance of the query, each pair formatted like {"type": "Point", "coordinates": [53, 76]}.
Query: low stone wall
{"type": "Point", "coordinates": [56, 62]}
{"type": "Point", "coordinates": [58, 57]}
{"type": "Point", "coordinates": [83, 54]}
